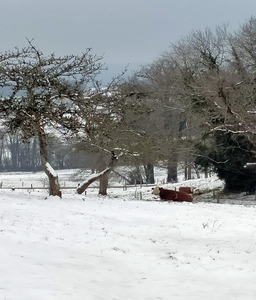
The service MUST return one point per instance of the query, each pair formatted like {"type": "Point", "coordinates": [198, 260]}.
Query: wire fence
{"type": "Point", "coordinates": [34, 187]}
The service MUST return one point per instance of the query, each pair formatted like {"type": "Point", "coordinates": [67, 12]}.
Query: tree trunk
{"type": "Point", "coordinates": [103, 184]}
{"type": "Point", "coordinates": [188, 168]}
{"type": "Point", "coordinates": [34, 156]}
{"type": "Point", "coordinates": [172, 169]}
{"type": "Point", "coordinates": [54, 186]}
{"type": "Point", "coordinates": [104, 178]}
{"type": "Point", "coordinates": [95, 177]}
{"type": "Point", "coordinates": [149, 172]}
{"type": "Point", "coordinates": [1, 151]}
{"type": "Point", "coordinates": [206, 172]}
{"type": "Point", "coordinates": [14, 149]}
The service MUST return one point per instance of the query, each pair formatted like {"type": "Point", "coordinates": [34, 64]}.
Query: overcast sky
{"type": "Point", "coordinates": [126, 32]}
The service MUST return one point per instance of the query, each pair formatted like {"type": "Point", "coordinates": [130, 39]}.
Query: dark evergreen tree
{"type": "Point", "coordinates": [228, 156]}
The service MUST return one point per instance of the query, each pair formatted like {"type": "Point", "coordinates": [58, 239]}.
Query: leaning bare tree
{"type": "Point", "coordinates": [38, 90]}
{"type": "Point", "coordinates": [107, 127]}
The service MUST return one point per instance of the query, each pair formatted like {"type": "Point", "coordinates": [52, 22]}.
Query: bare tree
{"type": "Point", "coordinates": [110, 127]}
{"type": "Point", "coordinates": [39, 90]}
{"type": "Point", "coordinates": [168, 122]}
{"type": "Point", "coordinates": [206, 82]}
{"type": "Point", "coordinates": [217, 80]}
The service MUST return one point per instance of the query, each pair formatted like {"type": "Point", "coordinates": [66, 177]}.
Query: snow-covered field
{"type": "Point", "coordinates": [121, 248]}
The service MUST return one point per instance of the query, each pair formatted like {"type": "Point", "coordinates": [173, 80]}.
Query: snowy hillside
{"type": "Point", "coordinates": [117, 247]}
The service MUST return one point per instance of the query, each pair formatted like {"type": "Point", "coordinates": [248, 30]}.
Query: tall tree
{"type": "Point", "coordinates": [38, 91]}
{"type": "Point", "coordinates": [168, 122]}
{"type": "Point", "coordinates": [109, 126]}
{"type": "Point", "coordinates": [217, 78]}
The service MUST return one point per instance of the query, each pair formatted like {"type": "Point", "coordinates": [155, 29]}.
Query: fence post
{"type": "Point", "coordinates": [216, 195]}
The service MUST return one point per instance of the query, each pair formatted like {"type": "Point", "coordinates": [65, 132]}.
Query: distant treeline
{"type": "Point", "coordinates": [19, 155]}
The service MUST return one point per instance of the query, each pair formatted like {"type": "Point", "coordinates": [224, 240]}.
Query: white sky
{"type": "Point", "coordinates": [125, 31]}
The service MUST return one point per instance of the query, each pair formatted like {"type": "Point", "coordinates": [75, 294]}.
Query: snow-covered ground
{"type": "Point", "coordinates": [119, 247]}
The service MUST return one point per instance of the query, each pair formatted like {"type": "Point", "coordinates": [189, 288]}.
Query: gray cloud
{"type": "Point", "coordinates": [124, 31]}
